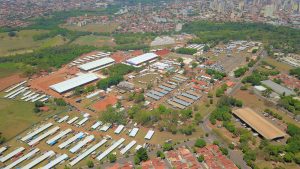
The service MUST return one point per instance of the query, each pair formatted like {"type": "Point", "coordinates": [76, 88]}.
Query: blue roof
{"type": "Point", "coordinates": [157, 93]}
{"type": "Point", "coordinates": [181, 102]}
{"type": "Point", "coordinates": [190, 96]}
{"type": "Point", "coordinates": [165, 88]}
{"type": "Point", "coordinates": [153, 96]}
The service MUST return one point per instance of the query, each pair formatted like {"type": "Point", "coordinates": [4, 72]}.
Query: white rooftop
{"type": "Point", "coordinates": [97, 63]}
{"type": "Point", "coordinates": [142, 58]}
{"type": "Point", "coordinates": [74, 82]}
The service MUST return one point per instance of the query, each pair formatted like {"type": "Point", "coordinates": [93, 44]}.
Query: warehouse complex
{"type": "Point", "coordinates": [74, 82]}
{"type": "Point", "coordinates": [142, 59]}
{"type": "Point", "coordinates": [97, 64]}
{"type": "Point", "coordinates": [259, 124]}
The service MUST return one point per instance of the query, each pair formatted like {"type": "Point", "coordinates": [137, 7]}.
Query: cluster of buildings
{"type": "Point", "coordinates": [214, 158]}
{"type": "Point", "coordinates": [15, 13]}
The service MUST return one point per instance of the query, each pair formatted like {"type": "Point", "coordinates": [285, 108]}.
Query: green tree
{"type": "Point", "coordinates": [167, 146]}
{"type": "Point", "coordinates": [200, 158]}
{"type": "Point", "coordinates": [90, 164]}
{"type": "Point", "coordinates": [200, 143]}
{"type": "Point", "coordinates": [112, 158]}
{"type": "Point", "coordinates": [142, 155]}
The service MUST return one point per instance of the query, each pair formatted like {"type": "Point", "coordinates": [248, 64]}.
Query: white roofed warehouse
{"type": "Point", "coordinates": [74, 82]}
{"type": "Point", "coordinates": [97, 64]}
{"type": "Point", "coordinates": [142, 59]}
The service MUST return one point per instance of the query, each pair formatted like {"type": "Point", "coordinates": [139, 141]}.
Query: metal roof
{"type": "Point", "coordinates": [41, 137]}
{"type": "Point", "coordinates": [40, 129]}
{"type": "Point", "coordinates": [63, 119]}
{"type": "Point", "coordinates": [133, 132]}
{"type": "Point", "coordinates": [56, 161]}
{"type": "Point", "coordinates": [96, 125]}
{"type": "Point", "coordinates": [149, 134]}
{"type": "Point", "coordinates": [181, 102]}
{"type": "Point", "coordinates": [142, 58]}
{"type": "Point", "coordinates": [128, 147]}
{"type": "Point", "coordinates": [259, 123]}
{"type": "Point", "coordinates": [165, 88]}
{"type": "Point", "coordinates": [2, 149]}
{"type": "Point", "coordinates": [14, 87]}
{"type": "Point", "coordinates": [23, 158]}
{"type": "Point", "coordinates": [71, 140]}
{"type": "Point", "coordinates": [110, 149]}
{"type": "Point", "coordinates": [72, 120]}
{"type": "Point", "coordinates": [82, 143]}
{"type": "Point", "coordinates": [74, 82]}
{"type": "Point", "coordinates": [39, 160]}
{"type": "Point", "coordinates": [278, 88]}
{"type": "Point", "coordinates": [105, 127]}
{"type": "Point", "coordinates": [82, 121]}
{"type": "Point", "coordinates": [119, 129]}
{"type": "Point", "coordinates": [153, 96]}
{"type": "Point", "coordinates": [175, 105]}
{"type": "Point", "coordinates": [13, 153]}
{"type": "Point", "coordinates": [157, 93]}
{"type": "Point", "coordinates": [54, 139]}
{"type": "Point", "coordinates": [190, 96]}
{"type": "Point", "coordinates": [97, 63]}
{"type": "Point", "coordinates": [87, 152]}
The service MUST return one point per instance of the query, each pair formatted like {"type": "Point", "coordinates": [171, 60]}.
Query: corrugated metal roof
{"type": "Point", "coordinates": [39, 160]}
{"type": "Point", "coordinates": [55, 161]}
{"type": "Point", "coordinates": [278, 88]}
{"type": "Point", "coordinates": [74, 82]}
{"type": "Point", "coordinates": [181, 102]}
{"type": "Point", "coordinates": [97, 63]}
{"type": "Point", "coordinates": [142, 58]}
{"type": "Point", "coordinates": [165, 88]}
{"type": "Point", "coordinates": [190, 96]}
{"type": "Point", "coordinates": [149, 134]}
{"type": "Point", "coordinates": [153, 96]}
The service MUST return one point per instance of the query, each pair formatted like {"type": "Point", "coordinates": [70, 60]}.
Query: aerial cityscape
{"type": "Point", "coordinates": [150, 84]}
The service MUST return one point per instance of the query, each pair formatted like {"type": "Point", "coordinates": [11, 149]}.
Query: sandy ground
{"type": "Point", "coordinates": [10, 80]}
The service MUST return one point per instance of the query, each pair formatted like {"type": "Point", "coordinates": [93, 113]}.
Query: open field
{"type": "Point", "coordinates": [24, 43]}
{"type": "Point", "coordinates": [282, 67]}
{"type": "Point", "coordinates": [93, 40]}
{"type": "Point", "coordinates": [15, 113]}
{"type": "Point", "coordinates": [100, 28]}
{"type": "Point", "coordinates": [142, 81]}
{"type": "Point", "coordinates": [7, 69]}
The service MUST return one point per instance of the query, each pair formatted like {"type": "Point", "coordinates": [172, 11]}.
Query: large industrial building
{"type": "Point", "coordinates": [97, 64]}
{"type": "Point", "coordinates": [74, 82]}
{"type": "Point", "coordinates": [259, 124]}
{"type": "Point", "coordinates": [278, 88]}
{"type": "Point", "coordinates": [142, 59]}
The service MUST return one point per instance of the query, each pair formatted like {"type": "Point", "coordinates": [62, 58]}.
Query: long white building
{"type": "Point", "coordinates": [74, 82]}
{"type": "Point", "coordinates": [142, 59]}
{"type": "Point", "coordinates": [97, 64]}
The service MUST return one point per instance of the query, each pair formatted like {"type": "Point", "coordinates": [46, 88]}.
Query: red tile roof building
{"type": "Point", "coordinates": [214, 158]}
{"type": "Point", "coordinates": [182, 159]}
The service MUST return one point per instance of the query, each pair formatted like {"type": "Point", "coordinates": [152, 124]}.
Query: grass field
{"type": "Point", "coordinates": [100, 28]}
{"type": "Point", "coordinates": [93, 40]}
{"type": "Point", "coordinates": [282, 67]}
{"type": "Point", "coordinates": [7, 69]}
{"type": "Point", "coordinates": [24, 43]}
{"type": "Point", "coordinates": [15, 117]}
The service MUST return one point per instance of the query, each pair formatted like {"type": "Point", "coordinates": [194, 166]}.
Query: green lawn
{"type": "Point", "coordinates": [100, 28]}
{"type": "Point", "coordinates": [24, 43]}
{"type": "Point", "coordinates": [93, 40]}
{"type": "Point", "coordinates": [7, 69]}
{"type": "Point", "coordinates": [16, 116]}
